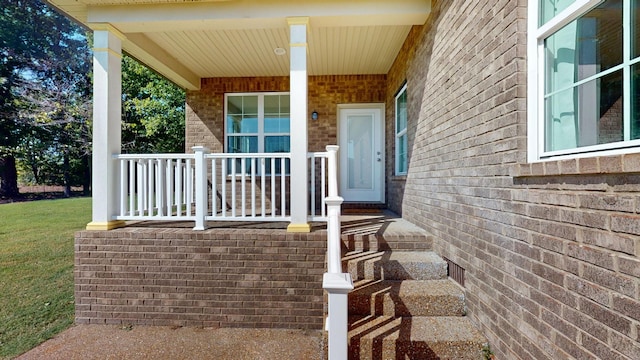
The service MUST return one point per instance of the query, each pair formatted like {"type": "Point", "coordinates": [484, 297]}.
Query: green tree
{"type": "Point", "coordinates": [35, 43]}
{"type": "Point", "coordinates": [58, 107]}
{"type": "Point", "coordinates": [153, 111]}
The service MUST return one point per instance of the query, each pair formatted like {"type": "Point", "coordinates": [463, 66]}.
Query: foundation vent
{"type": "Point", "coordinates": [455, 271]}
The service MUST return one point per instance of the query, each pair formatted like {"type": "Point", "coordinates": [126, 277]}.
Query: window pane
{"type": "Point", "coordinates": [234, 105]}
{"type": "Point", "coordinates": [277, 124]}
{"type": "Point", "coordinates": [402, 154]}
{"type": "Point", "coordinates": [276, 104]}
{"type": "Point", "coordinates": [242, 144]}
{"type": "Point", "coordinates": [276, 110]}
{"type": "Point", "coordinates": [276, 144]}
{"type": "Point", "coordinates": [237, 124]}
{"type": "Point", "coordinates": [585, 115]}
{"type": "Point", "coordinates": [401, 112]}
{"type": "Point", "coordinates": [635, 103]}
{"type": "Point", "coordinates": [551, 8]}
{"type": "Point", "coordinates": [360, 150]}
{"type": "Point", "coordinates": [585, 47]}
{"type": "Point", "coordinates": [250, 105]}
{"type": "Point", "coordinates": [247, 105]}
{"type": "Point", "coordinates": [635, 28]}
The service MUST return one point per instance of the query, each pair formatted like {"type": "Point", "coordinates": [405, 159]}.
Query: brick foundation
{"type": "Point", "coordinates": [215, 278]}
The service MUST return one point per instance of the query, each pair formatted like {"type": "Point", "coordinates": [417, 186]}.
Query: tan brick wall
{"type": "Point", "coordinates": [217, 278]}
{"type": "Point", "coordinates": [550, 249]}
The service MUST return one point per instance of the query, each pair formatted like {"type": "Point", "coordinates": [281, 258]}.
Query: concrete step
{"type": "Point", "coordinates": [396, 265]}
{"type": "Point", "coordinates": [417, 337]}
{"type": "Point", "coordinates": [407, 298]}
{"type": "Point", "coordinates": [383, 233]}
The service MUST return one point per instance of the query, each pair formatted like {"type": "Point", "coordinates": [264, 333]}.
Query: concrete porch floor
{"type": "Point", "coordinates": [353, 222]}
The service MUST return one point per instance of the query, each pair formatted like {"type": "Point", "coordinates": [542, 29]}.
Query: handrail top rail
{"type": "Point", "coordinates": [317, 154]}
{"type": "Point", "coordinates": [213, 155]}
{"type": "Point", "coordinates": [153, 156]}
{"type": "Point", "coordinates": [286, 155]}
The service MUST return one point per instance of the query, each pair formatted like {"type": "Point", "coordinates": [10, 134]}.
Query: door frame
{"type": "Point", "coordinates": [381, 108]}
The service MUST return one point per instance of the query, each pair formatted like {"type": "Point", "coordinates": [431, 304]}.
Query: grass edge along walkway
{"type": "Point", "coordinates": [36, 270]}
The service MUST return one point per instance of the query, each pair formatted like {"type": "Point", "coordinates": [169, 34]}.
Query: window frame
{"type": "Point", "coordinates": [261, 134]}
{"type": "Point", "coordinates": [401, 133]}
{"type": "Point", "coordinates": [536, 35]}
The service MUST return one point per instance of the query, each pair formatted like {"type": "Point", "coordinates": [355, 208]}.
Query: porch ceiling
{"type": "Point", "coordinates": [186, 40]}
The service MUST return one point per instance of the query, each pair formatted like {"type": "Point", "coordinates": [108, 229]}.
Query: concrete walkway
{"type": "Point", "coordinates": [161, 342]}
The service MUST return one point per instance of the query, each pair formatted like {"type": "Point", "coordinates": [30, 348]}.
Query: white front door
{"type": "Point", "coordinates": [361, 141]}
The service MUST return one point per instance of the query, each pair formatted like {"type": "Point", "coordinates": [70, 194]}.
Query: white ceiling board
{"type": "Point", "coordinates": [187, 40]}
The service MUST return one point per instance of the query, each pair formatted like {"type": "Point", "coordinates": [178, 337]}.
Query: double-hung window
{"type": "Point", "coordinates": [401, 131]}
{"type": "Point", "coordinates": [584, 78]}
{"type": "Point", "coordinates": [258, 123]}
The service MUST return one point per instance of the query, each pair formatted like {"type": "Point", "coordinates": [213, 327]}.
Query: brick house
{"type": "Point", "coordinates": [478, 128]}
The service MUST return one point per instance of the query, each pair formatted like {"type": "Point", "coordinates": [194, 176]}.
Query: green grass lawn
{"type": "Point", "coordinates": [36, 270]}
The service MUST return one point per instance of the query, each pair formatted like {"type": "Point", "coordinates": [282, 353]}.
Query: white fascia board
{"type": "Point", "coordinates": [146, 51]}
{"type": "Point", "coordinates": [252, 14]}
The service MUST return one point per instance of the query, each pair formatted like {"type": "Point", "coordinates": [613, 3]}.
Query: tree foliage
{"type": "Point", "coordinates": [45, 101]}
{"type": "Point", "coordinates": [43, 83]}
{"type": "Point", "coordinates": [153, 111]}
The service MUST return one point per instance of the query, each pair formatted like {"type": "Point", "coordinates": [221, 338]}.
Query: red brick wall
{"type": "Point", "coordinates": [205, 108]}
{"type": "Point", "coordinates": [217, 278]}
{"type": "Point", "coordinates": [550, 249]}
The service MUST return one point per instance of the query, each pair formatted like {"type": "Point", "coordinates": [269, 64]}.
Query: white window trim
{"type": "Point", "coordinates": [535, 84]}
{"type": "Point", "coordinates": [398, 135]}
{"type": "Point", "coordinates": [260, 134]}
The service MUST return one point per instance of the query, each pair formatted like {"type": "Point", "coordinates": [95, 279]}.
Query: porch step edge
{"type": "Point", "coordinates": [407, 298]}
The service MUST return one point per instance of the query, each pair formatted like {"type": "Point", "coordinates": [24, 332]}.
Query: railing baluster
{"type": "Point", "coordinates": [323, 186]}
{"type": "Point", "coordinates": [169, 173]}
{"type": "Point", "coordinates": [148, 193]}
{"type": "Point", "coordinates": [283, 190]}
{"type": "Point", "coordinates": [312, 160]}
{"type": "Point", "coordinates": [273, 187]}
{"type": "Point", "coordinates": [233, 187]}
{"type": "Point", "coordinates": [161, 185]}
{"type": "Point", "coordinates": [253, 186]}
{"type": "Point", "coordinates": [132, 186]}
{"type": "Point", "coordinates": [223, 183]}
{"type": "Point", "coordinates": [243, 196]}
{"type": "Point", "coordinates": [123, 187]}
{"type": "Point", "coordinates": [139, 187]}
{"type": "Point", "coordinates": [190, 188]}
{"type": "Point", "coordinates": [178, 187]}
{"type": "Point", "coordinates": [214, 180]}
{"type": "Point", "coordinates": [263, 187]}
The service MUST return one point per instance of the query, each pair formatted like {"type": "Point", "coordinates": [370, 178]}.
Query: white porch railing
{"type": "Point", "coordinates": [158, 187]}
{"type": "Point", "coordinates": [204, 187]}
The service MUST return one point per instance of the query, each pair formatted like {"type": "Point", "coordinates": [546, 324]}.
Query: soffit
{"type": "Point", "coordinates": [189, 40]}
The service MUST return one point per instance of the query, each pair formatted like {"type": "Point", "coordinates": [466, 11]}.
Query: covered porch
{"type": "Point", "coordinates": [271, 48]}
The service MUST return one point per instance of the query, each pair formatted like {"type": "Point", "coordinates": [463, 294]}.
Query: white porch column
{"type": "Point", "coordinates": [107, 103]}
{"type": "Point", "coordinates": [298, 89]}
